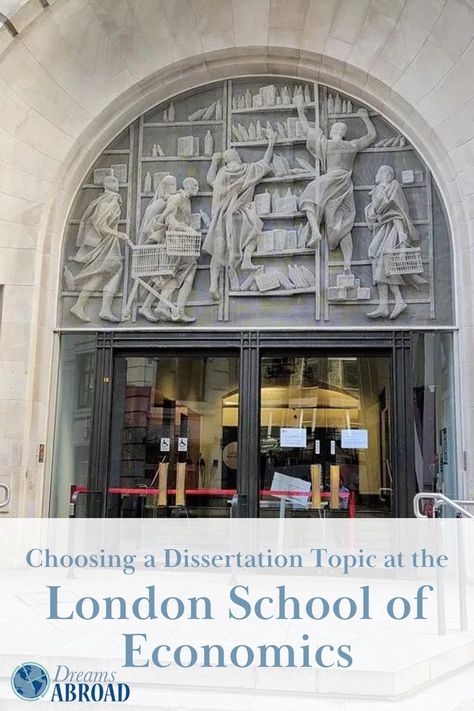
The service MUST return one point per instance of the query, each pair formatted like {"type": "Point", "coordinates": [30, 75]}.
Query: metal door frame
{"type": "Point", "coordinates": [249, 345]}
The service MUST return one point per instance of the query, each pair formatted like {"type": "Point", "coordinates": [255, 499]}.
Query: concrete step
{"type": "Point", "coordinates": [452, 693]}
{"type": "Point", "coordinates": [431, 661]}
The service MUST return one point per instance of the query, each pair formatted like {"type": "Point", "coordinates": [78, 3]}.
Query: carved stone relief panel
{"type": "Point", "coordinates": [257, 202]}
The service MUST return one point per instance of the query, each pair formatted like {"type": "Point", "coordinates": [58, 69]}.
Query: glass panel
{"type": "Point", "coordinates": [435, 451]}
{"type": "Point", "coordinates": [174, 411]}
{"type": "Point", "coordinates": [73, 423]}
{"type": "Point", "coordinates": [334, 412]}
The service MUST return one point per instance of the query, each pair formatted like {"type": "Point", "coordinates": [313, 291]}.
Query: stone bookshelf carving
{"type": "Point", "coordinates": [348, 288]}
{"type": "Point", "coordinates": [288, 190]}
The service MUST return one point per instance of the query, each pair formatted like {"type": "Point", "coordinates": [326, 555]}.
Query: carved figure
{"type": "Point", "coordinates": [153, 230]}
{"type": "Point", "coordinates": [330, 197]}
{"type": "Point", "coordinates": [151, 218]}
{"type": "Point", "coordinates": [99, 253]}
{"type": "Point", "coordinates": [176, 217]}
{"type": "Point", "coordinates": [387, 215]}
{"type": "Point", "coordinates": [232, 236]}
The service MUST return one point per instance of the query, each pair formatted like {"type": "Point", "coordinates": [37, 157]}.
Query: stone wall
{"type": "Point", "coordinates": [81, 70]}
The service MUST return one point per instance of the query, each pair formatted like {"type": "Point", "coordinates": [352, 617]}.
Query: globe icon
{"type": "Point", "coordinates": [30, 681]}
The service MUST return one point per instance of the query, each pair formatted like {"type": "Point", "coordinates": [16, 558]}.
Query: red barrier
{"type": "Point", "coordinates": [223, 493]}
{"type": "Point", "coordinates": [351, 507]}
{"type": "Point", "coordinates": [143, 491]}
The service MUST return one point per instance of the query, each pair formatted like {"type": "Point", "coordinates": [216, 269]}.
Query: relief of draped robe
{"type": "Point", "coordinates": [99, 247]}
{"type": "Point", "coordinates": [330, 197]}
{"type": "Point", "coordinates": [234, 222]}
{"type": "Point", "coordinates": [387, 215]}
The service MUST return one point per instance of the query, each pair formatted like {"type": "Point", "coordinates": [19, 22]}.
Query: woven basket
{"type": "Point", "coordinates": [403, 261]}
{"type": "Point", "coordinates": [152, 260]}
{"type": "Point", "coordinates": [182, 244]}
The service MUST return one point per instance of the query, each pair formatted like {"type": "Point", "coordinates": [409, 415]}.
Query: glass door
{"type": "Point", "coordinates": [247, 425]}
{"type": "Point", "coordinates": [174, 436]}
{"type": "Point", "coordinates": [325, 436]}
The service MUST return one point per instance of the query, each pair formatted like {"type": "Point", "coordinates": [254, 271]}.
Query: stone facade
{"type": "Point", "coordinates": [258, 202]}
{"type": "Point", "coordinates": [80, 72]}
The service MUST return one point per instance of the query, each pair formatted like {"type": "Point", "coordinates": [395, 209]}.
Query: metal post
{"type": "Point", "coordinates": [463, 617]}
{"type": "Point", "coordinates": [334, 473]}
{"type": "Point", "coordinates": [316, 486]}
{"type": "Point", "coordinates": [181, 484]}
{"type": "Point", "coordinates": [459, 508]}
{"type": "Point", "coordinates": [440, 593]}
{"type": "Point", "coordinates": [162, 498]}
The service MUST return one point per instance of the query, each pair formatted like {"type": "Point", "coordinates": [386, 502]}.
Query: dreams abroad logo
{"type": "Point", "coordinates": [30, 681]}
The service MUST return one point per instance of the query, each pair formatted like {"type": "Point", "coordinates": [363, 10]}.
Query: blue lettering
{"type": "Point", "coordinates": [156, 656]}
{"type": "Point", "coordinates": [240, 602]}
{"type": "Point", "coordinates": [57, 693]}
{"type": "Point", "coordinates": [172, 558]}
{"type": "Point", "coordinates": [29, 557]}
{"type": "Point", "coordinates": [130, 650]}
{"type": "Point", "coordinates": [53, 604]}
{"type": "Point", "coordinates": [345, 655]}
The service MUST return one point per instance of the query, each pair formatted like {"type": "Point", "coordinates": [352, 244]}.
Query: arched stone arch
{"type": "Point", "coordinates": [223, 64]}
{"type": "Point", "coordinates": [177, 79]}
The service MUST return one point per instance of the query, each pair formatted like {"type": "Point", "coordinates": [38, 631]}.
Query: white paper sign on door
{"type": "Point", "coordinates": [288, 485]}
{"type": "Point", "coordinates": [354, 439]}
{"type": "Point", "coordinates": [182, 444]}
{"type": "Point", "coordinates": [292, 437]}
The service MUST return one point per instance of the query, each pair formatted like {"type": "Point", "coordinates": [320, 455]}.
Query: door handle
{"type": "Point", "coordinates": [7, 494]}
{"type": "Point", "coordinates": [238, 504]}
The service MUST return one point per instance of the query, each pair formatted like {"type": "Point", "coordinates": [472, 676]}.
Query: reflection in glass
{"type": "Point", "coordinates": [175, 410]}
{"type": "Point", "coordinates": [435, 453]}
{"type": "Point", "coordinates": [73, 421]}
{"type": "Point", "coordinates": [325, 399]}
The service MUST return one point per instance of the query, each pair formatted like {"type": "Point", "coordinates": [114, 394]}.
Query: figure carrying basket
{"type": "Point", "coordinates": [395, 261]}
{"type": "Point", "coordinates": [170, 263]}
